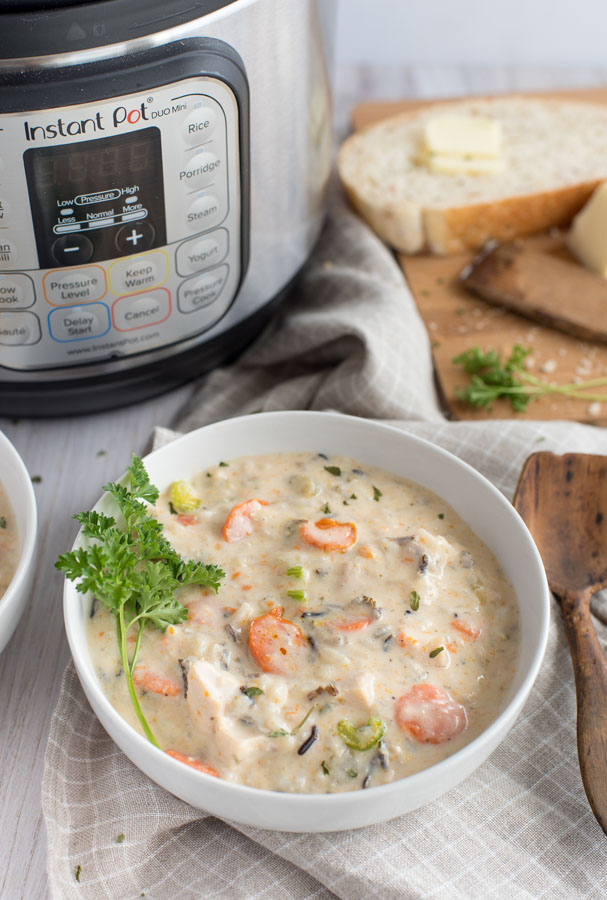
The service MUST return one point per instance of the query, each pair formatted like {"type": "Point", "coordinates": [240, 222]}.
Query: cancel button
{"type": "Point", "coordinates": [202, 290]}
{"type": "Point", "coordinates": [142, 310]}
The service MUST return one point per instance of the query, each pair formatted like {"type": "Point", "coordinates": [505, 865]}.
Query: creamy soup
{"type": "Point", "coordinates": [9, 542]}
{"type": "Point", "coordinates": [362, 631]}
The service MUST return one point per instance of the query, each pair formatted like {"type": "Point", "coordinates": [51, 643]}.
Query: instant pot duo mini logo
{"type": "Point", "coordinates": [98, 122]}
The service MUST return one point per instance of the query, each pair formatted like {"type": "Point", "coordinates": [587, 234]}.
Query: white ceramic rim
{"type": "Point", "coordinates": [341, 801]}
{"type": "Point", "coordinates": [27, 535]}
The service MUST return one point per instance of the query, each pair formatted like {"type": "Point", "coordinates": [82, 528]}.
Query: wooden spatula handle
{"type": "Point", "coordinates": [590, 670]}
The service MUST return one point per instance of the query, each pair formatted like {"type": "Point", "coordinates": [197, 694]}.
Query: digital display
{"type": "Point", "coordinates": [97, 200]}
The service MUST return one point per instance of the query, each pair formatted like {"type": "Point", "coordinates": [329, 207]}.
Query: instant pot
{"type": "Point", "coordinates": [163, 166]}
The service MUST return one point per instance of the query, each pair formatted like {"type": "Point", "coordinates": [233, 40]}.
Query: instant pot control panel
{"type": "Point", "coordinates": [121, 223]}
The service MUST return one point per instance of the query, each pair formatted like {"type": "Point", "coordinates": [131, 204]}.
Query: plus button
{"type": "Point", "coordinates": [134, 237]}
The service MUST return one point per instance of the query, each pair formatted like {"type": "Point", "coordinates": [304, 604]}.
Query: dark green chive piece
{"type": "Point", "coordinates": [37, 479]}
{"type": "Point", "coordinates": [436, 651]}
{"type": "Point", "coordinates": [77, 873]}
{"type": "Point", "coordinates": [251, 691]}
{"type": "Point", "coordinates": [324, 767]}
{"type": "Point", "coordinates": [326, 509]}
{"type": "Point", "coordinates": [352, 773]}
{"type": "Point", "coordinates": [172, 509]}
{"type": "Point", "coordinates": [120, 839]}
{"type": "Point", "coordinates": [333, 470]}
{"type": "Point", "coordinates": [414, 599]}
{"type": "Point", "coordinates": [376, 492]}
{"type": "Point", "coordinates": [224, 465]}
{"type": "Point", "coordinates": [2, 522]}
{"type": "Point", "coordinates": [441, 515]}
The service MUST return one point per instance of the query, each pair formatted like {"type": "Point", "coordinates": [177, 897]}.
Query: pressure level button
{"type": "Point", "coordinates": [199, 125]}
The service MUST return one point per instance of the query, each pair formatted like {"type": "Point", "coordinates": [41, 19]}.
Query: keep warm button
{"type": "Point", "coordinates": [79, 323]}
{"type": "Point", "coordinates": [141, 311]}
{"type": "Point", "coordinates": [202, 290]}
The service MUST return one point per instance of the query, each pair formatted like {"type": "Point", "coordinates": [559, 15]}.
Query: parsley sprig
{"type": "Point", "coordinates": [492, 379]}
{"type": "Point", "coordinates": [132, 569]}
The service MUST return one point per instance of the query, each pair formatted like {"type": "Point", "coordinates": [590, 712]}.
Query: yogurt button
{"type": "Point", "coordinates": [202, 253]}
{"type": "Point", "coordinates": [199, 125]}
{"type": "Point", "coordinates": [19, 328]}
{"type": "Point", "coordinates": [141, 311]}
{"type": "Point", "coordinates": [78, 323]}
{"type": "Point", "coordinates": [199, 292]}
{"type": "Point", "coordinates": [16, 291]}
{"type": "Point", "coordinates": [204, 213]}
{"type": "Point", "coordinates": [200, 171]}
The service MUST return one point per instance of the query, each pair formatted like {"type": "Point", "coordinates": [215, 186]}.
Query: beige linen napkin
{"type": "Point", "coordinates": [519, 827]}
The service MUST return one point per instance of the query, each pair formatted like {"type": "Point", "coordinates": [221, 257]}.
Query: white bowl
{"type": "Point", "coordinates": [18, 488]}
{"type": "Point", "coordinates": [481, 505]}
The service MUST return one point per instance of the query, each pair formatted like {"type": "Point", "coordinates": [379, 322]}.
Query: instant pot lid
{"type": "Point", "coordinates": [44, 27]}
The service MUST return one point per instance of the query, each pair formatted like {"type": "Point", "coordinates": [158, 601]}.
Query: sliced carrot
{"type": "Point", "coordinates": [354, 625]}
{"type": "Point", "coordinates": [187, 519]}
{"type": "Point", "coordinates": [238, 524]}
{"type": "Point", "coordinates": [366, 552]}
{"type": "Point", "coordinates": [429, 714]}
{"type": "Point", "coordinates": [328, 534]}
{"type": "Point", "coordinates": [193, 762]}
{"type": "Point", "coordinates": [468, 631]}
{"type": "Point", "coordinates": [157, 684]}
{"type": "Point", "coordinates": [277, 645]}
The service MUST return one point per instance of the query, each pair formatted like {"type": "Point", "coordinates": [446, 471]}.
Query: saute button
{"type": "Point", "coordinates": [200, 171]}
{"type": "Point", "coordinates": [16, 291]}
{"type": "Point", "coordinates": [72, 249]}
{"type": "Point", "coordinates": [199, 254]}
{"type": "Point", "coordinates": [74, 285]}
{"type": "Point", "coordinates": [139, 273]}
{"type": "Point", "coordinates": [199, 125]}
{"type": "Point", "coordinates": [79, 323]}
{"type": "Point", "coordinates": [201, 291]}
{"type": "Point", "coordinates": [204, 213]}
{"type": "Point", "coordinates": [19, 328]}
{"type": "Point", "coordinates": [141, 311]}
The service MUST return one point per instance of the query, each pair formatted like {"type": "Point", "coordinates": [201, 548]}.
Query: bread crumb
{"type": "Point", "coordinates": [432, 326]}
{"type": "Point", "coordinates": [529, 362]}
{"type": "Point", "coordinates": [594, 409]}
{"type": "Point", "coordinates": [548, 367]}
{"type": "Point", "coordinates": [561, 351]}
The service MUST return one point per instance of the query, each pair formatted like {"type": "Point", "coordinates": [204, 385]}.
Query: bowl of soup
{"type": "Point", "coordinates": [382, 615]}
{"type": "Point", "coordinates": [17, 538]}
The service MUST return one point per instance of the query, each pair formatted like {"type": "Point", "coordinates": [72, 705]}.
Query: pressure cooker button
{"type": "Point", "coordinates": [201, 253]}
{"type": "Point", "coordinates": [74, 285]}
{"type": "Point", "coordinates": [200, 171]}
{"type": "Point", "coordinates": [139, 273]}
{"type": "Point", "coordinates": [19, 328]}
{"type": "Point", "coordinates": [79, 323]}
{"type": "Point", "coordinates": [204, 213]}
{"type": "Point", "coordinates": [199, 292]}
{"type": "Point", "coordinates": [141, 311]}
{"type": "Point", "coordinates": [16, 291]}
{"type": "Point", "coordinates": [70, 249]}
{"type": "Point", "coordinates": [132, 238]}
{"type": "Point", "coordinates": [199, 125]}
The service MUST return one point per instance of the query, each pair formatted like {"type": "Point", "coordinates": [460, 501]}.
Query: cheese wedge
{"type": "Point", "coordinates": [588, 236]}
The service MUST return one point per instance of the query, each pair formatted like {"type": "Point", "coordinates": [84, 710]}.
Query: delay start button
{"type": "Point", "coordinates": [19, 328]}
{"type": "Point", "coordinates": [202, 290]}
{"type": "Point", "coordinates": [79, 323]}
{"type": "Point", "coordinates": [71, 286]}
{"type": "Point", "coordinates": [141, 311]}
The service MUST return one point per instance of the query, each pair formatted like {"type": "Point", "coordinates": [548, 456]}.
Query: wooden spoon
{"type": "Point", "coordinates": [563, 500]}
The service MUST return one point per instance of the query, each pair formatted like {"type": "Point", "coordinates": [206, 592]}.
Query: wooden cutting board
{"type": "Point", "coordinates": [457, 320]}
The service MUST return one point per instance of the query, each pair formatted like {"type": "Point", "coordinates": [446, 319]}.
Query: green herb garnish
{"type": "Point", "coordinates": [490, 379]}
{"type": "Point", "coordinates": [77, 873]}
{"type": "Point", "coordinates": [252, 691]}
{"type": "Point", "coordinates": [436, 651]}
{"type": "Point", "coordinates": [297, 595]}
{"type": "Point", "coordinates": [352, 773]}
{"type": "Point", "coordinates": [376, 493]}
{"type": "Point", "coordinates": [295, 572]}
{"type": "Point", "coordinates": [224, 465]}
{"type": "Point", "coordinates": [3, 522]}
{"type": "Point", "coordinates": [36, 479]}
{"type": "Point", "coordinates": [120, 839]}
{"type": "Point", "coordinates": [414, 599]}
{"type": "Point", "coordinates": [283, 733]}
{"type": "Point", "coordinates": [133, 571]}
{"type": "Point", "coordinates": [363, 738]}
{"type": "Point", "coordinates": [353, 497]}
{"type": "Point", "coordinates": [325, 767]}
{"type": "Point", "coordinates": [441, 515]}
{"type": "Point", "coordinates": [333, 470]}
{"type": "Point", "coordinates": [326, 509]}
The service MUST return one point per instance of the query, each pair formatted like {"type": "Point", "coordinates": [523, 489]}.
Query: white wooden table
{"type": "Point", "coordinates": [75, 456]}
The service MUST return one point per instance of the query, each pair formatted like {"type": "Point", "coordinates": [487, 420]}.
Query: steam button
{"type": "Point", "coordinates": [204, 213]}
{"type": "Point", "coordinates": [19, 328]}
{"type": "Point", "coordinates": [199, 125]}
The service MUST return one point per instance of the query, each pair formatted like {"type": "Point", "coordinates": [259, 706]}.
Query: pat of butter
{"type": "Point", "coordinates": [588, 236]}
{"type": "Point", "coordinates": [466, 136]}
{"type": "Point", "coordinates": [455, 165]}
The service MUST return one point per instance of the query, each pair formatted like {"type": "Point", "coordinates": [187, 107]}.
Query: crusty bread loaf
{"type": "Point", "coordinates": [555, 154]}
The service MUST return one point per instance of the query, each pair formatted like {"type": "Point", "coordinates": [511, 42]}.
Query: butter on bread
{"type": "Point", "coordinates": [553, 154]}
{"type": "Point", "coordinates": [456, 144]}
{"type": "Point", "coordinates": [587, 239]}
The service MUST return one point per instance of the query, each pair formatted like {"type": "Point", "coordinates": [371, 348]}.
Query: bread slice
{"type": "Point", "coordinates": [555, 155]}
